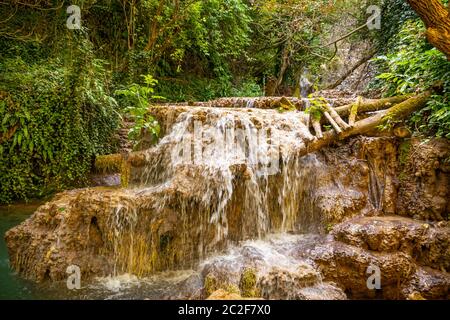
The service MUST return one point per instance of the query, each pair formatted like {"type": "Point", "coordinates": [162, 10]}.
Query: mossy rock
{"type": "Point", "coordinates": [212, 284]}
{"type": "Point", "coordinates": [248, 282]}
{"type": "Point", "coordinates": [111, 163]}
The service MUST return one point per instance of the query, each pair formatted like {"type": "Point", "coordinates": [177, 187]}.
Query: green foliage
{"type": "Point", "coordinates": [137, 99]}
{"type": "Point", "coordinates": [177, 37]}
{"type": "Point", "coordinates": [395, 14]}
{"type": "Point", "coordinates": [317, 107]}
{"type": "Point", "coordinates": [248, 283]}
{"type": "Point", "coordinates": [55, 117]}
{"type": "Point", "coordinates": [56, 110]}
{"type": "Point", "coordinates": [204, 89]}
{"type": "Point", "coordinates": [247, 88]}
{"type": "Point", "coordinates": [290, 36]}
{"type": "Point", "coordinates": [329, 227]}
{"type": "Point", "coordinates": [414, 65]}
{"type": "Point", "coordinates": [435, 118]}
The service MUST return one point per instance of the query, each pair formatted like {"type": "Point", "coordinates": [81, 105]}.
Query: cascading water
{"type": "Point", "coordinates": [306, 87]}
{"type": "Point", "coordinates": [229, 175]}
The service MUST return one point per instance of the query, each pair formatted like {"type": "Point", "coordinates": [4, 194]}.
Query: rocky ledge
{"type": "Point", "coordinates": [411, 256]}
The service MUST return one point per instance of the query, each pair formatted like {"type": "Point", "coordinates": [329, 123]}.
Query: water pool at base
{"type": "Point", "coordinates": [13, 287]}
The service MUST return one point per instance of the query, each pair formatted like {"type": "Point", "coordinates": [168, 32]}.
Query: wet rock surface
{"type": "Point", "coordinates": [412, 257]}
{"type": "Point", "coordinates": [273, 102]}
{"type": "Point", "coordinates": [271, 269]}
{"type": "Point", "coordinates": [427, 243]}
{"type": "Point", "coordinates": [322, 267]}
{"type": "Point", "coordinates": [348, 265]}
{"type": "Point", "coordinates": [427, 283]}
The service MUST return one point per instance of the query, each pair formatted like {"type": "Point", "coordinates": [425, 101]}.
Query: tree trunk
{"type": "Point", "coordinates": [153, 29]}
{"type": "Point", "coordinates": [437, 21]}
{"type": "Point", "coordinates": [351, 70]}
{"type": "Point", "coordinates": [283, 67]}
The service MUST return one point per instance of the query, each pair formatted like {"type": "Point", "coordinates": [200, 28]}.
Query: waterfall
{"type": "Point", "coordinates": [229, 175]}
{"type": "Point", "coordinates": [306, 87]}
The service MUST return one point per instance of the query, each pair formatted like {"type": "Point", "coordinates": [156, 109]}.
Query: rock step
{"type": "Point", "coordinates": [321, 291]}
{"type": "Point", "coordinates": [427, 243]}
{"type": "Point", "coordinates": [400, 276]}
{"type": "Point", "coordinates": [428, 283]}
{"type": "Point", "coordinates": [347, 265]}
{"type": "Point", "coordinates": [305, 283]}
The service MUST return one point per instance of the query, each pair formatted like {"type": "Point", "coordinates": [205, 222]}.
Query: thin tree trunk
{"type": "Point", "coordinates": [317, 127]}
{"type": "Point", "coordinates": [351, 70]}
{"type": "Point", "coordinates": [354, 112]}
{"type": "Point", "coordinates": [153, 30]}
{"type": "Point", "coordinates": [283, 68]}
{"type": "Point", "coordinates": [337, 118]}
{"type": "Point", "coordinates": [372, 105]}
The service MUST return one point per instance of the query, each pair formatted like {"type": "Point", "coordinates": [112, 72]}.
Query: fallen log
{"type": "Point", "coordinates": [317, 127]}
{"type": "Point", "coordinates": [332, 122]}
{"type": "Point", "coordinates": [372, 105]}
{"type": "Point", "coordinates": [336, 117]}
{"type": "Point", "coordinates": [398, 112]}
{"type": "Point", "coordinates": [354, 111]}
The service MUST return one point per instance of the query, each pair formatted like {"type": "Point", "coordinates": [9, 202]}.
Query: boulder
{"type": "Point", "coordinates": [348, 266]}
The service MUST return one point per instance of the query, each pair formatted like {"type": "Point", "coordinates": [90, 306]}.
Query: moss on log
{"type": "Point", "coordinates": [372, 105]}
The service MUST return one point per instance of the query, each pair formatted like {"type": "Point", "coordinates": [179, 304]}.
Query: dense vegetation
{"type": "Point", "coordinates": [63, 92]}
{"type": "Point", "coordinates": [408, 63]}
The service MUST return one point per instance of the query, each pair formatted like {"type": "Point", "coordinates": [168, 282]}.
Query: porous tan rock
{"type": "Point", "coordinates": [173, 216]}
{"type": "Point", "coordinates": [424, 179]}
{"type": "Point", "coordinates": [427, 243]}
{"type": "Point", "coordinates": [224, 295]}
{"type": "Point", "coordinates": [348, 265]}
